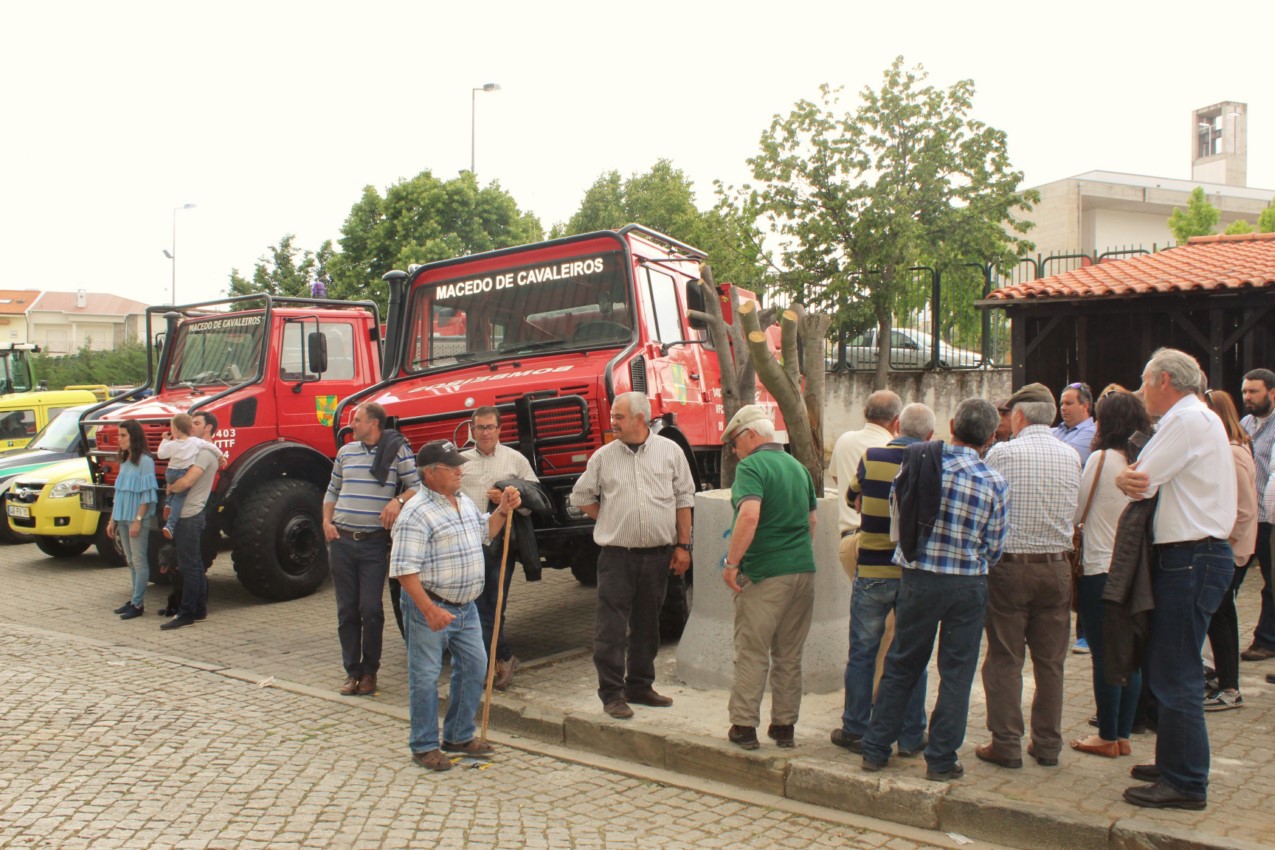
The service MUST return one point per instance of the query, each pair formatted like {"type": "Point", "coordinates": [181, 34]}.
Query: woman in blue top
{"type": "Point", "coordinates": [134, 513]}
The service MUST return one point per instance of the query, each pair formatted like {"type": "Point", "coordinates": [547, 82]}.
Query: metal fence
{"type": "Point", "coordinates": [936, 325]}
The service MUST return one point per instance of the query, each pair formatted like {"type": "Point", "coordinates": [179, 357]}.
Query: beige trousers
{"type": "Point", "coordinates": [772, 619]}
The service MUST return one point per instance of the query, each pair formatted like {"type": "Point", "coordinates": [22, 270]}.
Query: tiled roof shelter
{"type": "Point", "coordinates": [1211, 297]}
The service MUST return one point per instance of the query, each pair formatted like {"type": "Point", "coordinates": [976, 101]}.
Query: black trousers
{"type": "Point", "coordinates": [626, 637]}
{"type": "Point", "coordinates": [358, 569]}
{"type": "Point", "coordinates": [486, 601]}
{"type": "Point", "coordinates": [1224, 635]}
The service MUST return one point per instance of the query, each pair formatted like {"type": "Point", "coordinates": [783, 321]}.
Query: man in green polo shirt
{"type": "Point", "coordinates": [770, 566]}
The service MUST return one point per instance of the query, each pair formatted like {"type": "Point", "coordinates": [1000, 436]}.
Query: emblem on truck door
{"type": "Point", "coordinates": [325, 409]}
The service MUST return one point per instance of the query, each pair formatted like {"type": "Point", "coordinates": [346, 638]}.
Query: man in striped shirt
{"type": "Point", "coordinates": [638, 488]}
{"type": "Point", "coordinates": [1029, 589]}
{"type": "Point", "coordinates": [372, 478]}
{"type": "Point", "coordinates": [876, 585]}
{"type": "Point", "coordinates": [943, 584]}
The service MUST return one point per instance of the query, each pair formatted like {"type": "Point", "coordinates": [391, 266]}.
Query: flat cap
{"type": "Point", "coordinates": [746, 415]}
{"type": "Point", "coordinates": [1032, 392]}
{"type": "Point", "coordinates": [1003, 405]}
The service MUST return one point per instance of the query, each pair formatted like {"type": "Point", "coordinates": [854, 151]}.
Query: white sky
{"type": "Point", "coordinates": [272, 116]}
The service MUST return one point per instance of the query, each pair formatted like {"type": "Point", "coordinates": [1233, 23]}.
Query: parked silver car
{"type": "Point", "coordinates": [909, 349]}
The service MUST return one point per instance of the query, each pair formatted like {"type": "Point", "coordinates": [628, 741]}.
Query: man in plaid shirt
{"type": "Point", "coordinates": [945, 584]}
{"type": "Point", "coordinates": [1029, 590]}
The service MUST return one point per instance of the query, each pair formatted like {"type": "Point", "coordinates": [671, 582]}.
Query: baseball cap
{"type": "Point", "coordinates": [439, 451]}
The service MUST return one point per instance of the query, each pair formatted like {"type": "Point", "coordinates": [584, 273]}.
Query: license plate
{"type": "Point", "coordinates": [19, 510]}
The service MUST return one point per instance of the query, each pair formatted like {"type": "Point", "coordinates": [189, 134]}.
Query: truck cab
{"type": "Point", "coordinates": [549, 334]}
{"type": "Point", "coordinates": [271, 370]}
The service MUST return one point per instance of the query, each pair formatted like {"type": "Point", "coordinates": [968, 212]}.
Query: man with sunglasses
{"type": "Point", "coordinates": [489, 462]}
{"type": "Point", "coordinates": [1075, 406]}
{"type": "Point", "coordinates": [438, 559]}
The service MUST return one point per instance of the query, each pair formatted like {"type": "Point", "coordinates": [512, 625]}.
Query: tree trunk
{"type": "Point", "coordinates": [738, 386]}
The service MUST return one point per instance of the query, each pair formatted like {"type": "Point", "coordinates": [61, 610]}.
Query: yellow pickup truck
{"type": "Point", "coordinates": [46, 503]}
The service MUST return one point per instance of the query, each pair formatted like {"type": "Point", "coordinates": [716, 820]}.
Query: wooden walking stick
{"type": "Point", "coordinates": [495, 626]}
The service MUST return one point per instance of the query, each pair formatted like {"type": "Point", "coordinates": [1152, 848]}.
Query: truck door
{"type": "Point", "coordinates": [676, 371]}
{"type": "Point", "coordinates": [306, 395]}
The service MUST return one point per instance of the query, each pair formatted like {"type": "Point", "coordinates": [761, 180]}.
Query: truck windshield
{"type": "Point", "coordinates": [579, 302]}
{"type": "Point", "coordinates": [15, 371]}
{"type": "Point", "coordinates": [224, 350]}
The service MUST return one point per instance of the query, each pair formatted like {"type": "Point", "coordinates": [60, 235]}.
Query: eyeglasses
{"type": "Point", "coordinates": [484, 427]}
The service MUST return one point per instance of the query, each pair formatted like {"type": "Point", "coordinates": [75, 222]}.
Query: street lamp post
{"type": "Point", "coordinates": [473, 108]}
{"type": "Point", "coordinates": [173, 256]}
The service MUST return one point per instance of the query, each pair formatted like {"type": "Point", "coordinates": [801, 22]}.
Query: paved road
{"type": "Point", "coordinates": [115, 734]}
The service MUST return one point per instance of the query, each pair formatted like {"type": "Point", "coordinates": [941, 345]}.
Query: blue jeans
{"type": "Point", "coordinates": [190, 562]}
{"type": "Point", "coordinates": [174, 501]}
{"type": "Point", "coordinates": [1116, 705]}
{"type": "Point", "coordinates": [463, 637]}
{"type": "Point", "coordinates": [135, 551]}
{"type": "Point", "coordinates": [873, 599]}
{"type": "Point", "coordinates": [1189, 583]}
{"type": "Point", "coordinates": [927, 601]}
{"type": "Point", "coordinates": [1264, 634]}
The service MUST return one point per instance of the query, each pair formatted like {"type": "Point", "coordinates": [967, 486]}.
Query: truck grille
{"type": "Point", "coordinates": [106, 456]}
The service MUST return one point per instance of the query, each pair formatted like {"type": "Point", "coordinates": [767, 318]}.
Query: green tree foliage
{"type": "Point", "coordinates": [285, 270]}
{"type": "Point", "coordinates": [124, 366]}
{"type": "Point", "coordinates": [858, 197]}
{"type": "Point", "coordinates": [1266, 221]}
{"type": "Point", "coordinates": [1238, 227]}
{"type": "Point", "coordinates": [421, 220]}
{"type": "Point", "coordinates": [1198, 219]}
{"type": "Point", "coordinates": [663, 199]}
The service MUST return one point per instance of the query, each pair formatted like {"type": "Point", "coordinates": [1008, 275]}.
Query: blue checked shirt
{"type": "Point", "coordinates": [971, 524]}
{"type": "Point", "coordinates": [442, 543]}
{"type": "Point", "coordinates": [1044, 482]}
{"type": "Point", "coordinates": [1262, 432]}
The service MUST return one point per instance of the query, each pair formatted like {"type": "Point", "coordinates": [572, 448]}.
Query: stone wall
{"type": "Point", "coordinates": [847, 392]}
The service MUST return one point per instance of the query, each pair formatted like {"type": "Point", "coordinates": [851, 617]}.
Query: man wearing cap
{"type": "Point", "coordinates": [1003, 431]}
{"type": "Point", "coordinates": [770, 566]}
{"type": "Point", "coordinates": [882, 415]}
{"type": "Point", "coordinates": [372, 478]}
{"type": "Point", "coordinates": [1029, 589]}
{"type": "Point", "coordinates": [438, 559]}
{"type": "Point", "coordinates": [638, 489]}
{"type": "Point", "coordinates": [1075, 406]}
{"type": "Point", "coordinates": [1192, 568]}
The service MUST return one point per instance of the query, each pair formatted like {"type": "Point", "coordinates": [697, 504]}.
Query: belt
{"type": "Point", "coordinates": [362, 535]}
{"type": "Point", "coordinates": [434, 597]}
{"type": "Point", "coordinates": [642, 550]}
{"type": "Point", "coordinates": [1183, 544]}
{"type": "Point", "coordinates": [1033, 557]}
{"type": "Point", "coordinates": [848, 533]}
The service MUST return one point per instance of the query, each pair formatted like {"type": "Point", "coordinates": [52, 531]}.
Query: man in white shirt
{"type": "Point", "coordinates": [882, 415]}
{"type": "Point", "coordinates": [1192, 571]}
{"type": "Point", "coordinates": [488, 463]}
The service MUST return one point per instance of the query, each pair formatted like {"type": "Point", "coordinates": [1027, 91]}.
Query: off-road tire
{"type": "Point", "coordinates": [278, 545]}
{"type": "Point", "coordinates": [584, 563]}
{"type": "Point", "coordinates": [63, 547]}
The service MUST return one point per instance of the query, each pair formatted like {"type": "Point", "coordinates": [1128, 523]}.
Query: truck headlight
{"type": "Point", "coordinates": [67, 489]}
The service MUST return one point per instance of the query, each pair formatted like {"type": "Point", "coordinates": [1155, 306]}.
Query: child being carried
{"type": "Point", "coordinates": [180, 449]}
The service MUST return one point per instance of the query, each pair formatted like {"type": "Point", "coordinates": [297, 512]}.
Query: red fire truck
{"type": "Point", "coordinates": [550, 333]}
{"type": "Point", "coordinates": [272, 370]}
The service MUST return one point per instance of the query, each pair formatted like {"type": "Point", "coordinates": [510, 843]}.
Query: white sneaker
{"type": "Point", "coordinates": [1223, 701]}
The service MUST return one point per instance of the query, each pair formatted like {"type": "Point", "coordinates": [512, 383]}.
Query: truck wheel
{"type": "Point", "coordinates": [63, 547]}
{"type": "Point", "coordinates": [279, 550]}
{"type": "Point", "coordinates": [7, 532]}
{"type": "Point", "coordinates": [677, 607]}
{"type": "Point", "coordinates": [584, 563]}
{"type": "Point", "coordinates": [110, 550]}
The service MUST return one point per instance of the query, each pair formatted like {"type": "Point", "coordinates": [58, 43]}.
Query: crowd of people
{"type": "Point", "coordinates": [1118, 513]}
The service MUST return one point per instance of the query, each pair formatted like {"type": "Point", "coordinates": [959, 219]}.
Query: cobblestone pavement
{"type": "Point", "coordinates": [104, 746]}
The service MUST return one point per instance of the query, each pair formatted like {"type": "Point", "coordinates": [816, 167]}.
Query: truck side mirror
{"type": "Point", "coordinates": [316, 353]}
{"type": "Point", "coordinates": [695, 301]}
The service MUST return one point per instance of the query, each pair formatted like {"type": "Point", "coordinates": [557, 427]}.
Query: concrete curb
{"type": "Point", "coordinates": [908, 800]}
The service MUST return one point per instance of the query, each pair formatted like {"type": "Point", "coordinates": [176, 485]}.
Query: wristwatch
{"type": "Point", "coordinates": [685, 546]}
{"type": "Point", "coordinates": [400, 500]}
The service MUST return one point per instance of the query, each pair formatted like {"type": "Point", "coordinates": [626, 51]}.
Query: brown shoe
{"type": "Point", "coordinates": [1097, 746]}
{"type": "Point", "coordinates": [781, 734]}
{"type": "Point", "coordinates": [985, 753]}
{"type": "Point", "coordinates": [744, 737]}
{"type": "Point", "coordinates": [505, 673]}
{"type": "Point", "coordinates": [1257, 653]}
{"type": "Point", "coordinates": [367, 685]}
{"type": "Point", "coordinates": [619, 709]}
{"type": "Point", "coordinates": [351, 687]}
{"type": "Point", "coordinates": [474, 748]}
{"type": "Point", "coordinates": [433, 760]}
{"type": "Point", "coordinates": [1042, 760]}
{"type": "Point", "coordinates": [649, 697]}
